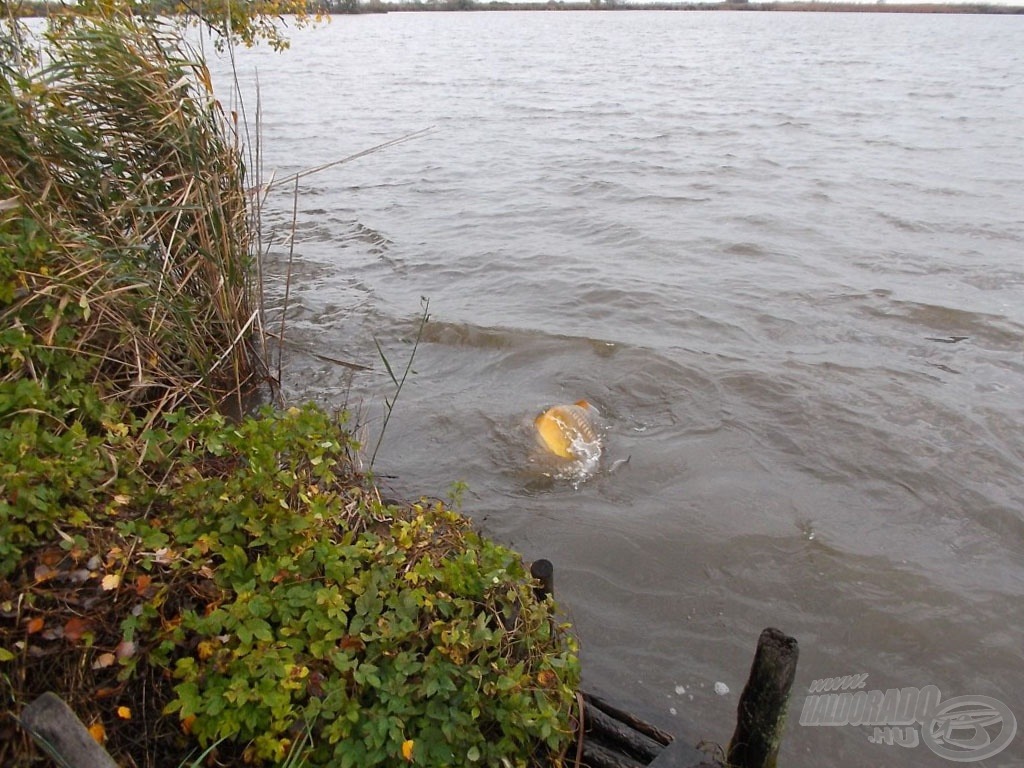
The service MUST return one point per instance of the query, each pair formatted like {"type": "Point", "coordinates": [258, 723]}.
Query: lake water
{"type": "Point", "coordinates": [782, 253]}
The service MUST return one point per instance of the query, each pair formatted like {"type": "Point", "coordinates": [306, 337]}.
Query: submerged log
{"type": "Point", "coordinates": [59, 732]}
{"type": "Point", "coordinates": [621, 736]}
{"type": "Point", "coordinates": [648, 730]}
{"type": "Point", "coordinates": [761, 714]}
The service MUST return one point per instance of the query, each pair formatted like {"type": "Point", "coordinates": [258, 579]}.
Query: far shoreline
{"type": "Point", "coordinates": [40, 8]}
{"type": "Point", "coordinates": [355, 7]}
{"type": "Point", "coordinates": [348, 7]}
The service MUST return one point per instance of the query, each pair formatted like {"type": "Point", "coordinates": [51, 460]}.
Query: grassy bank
{"type": "Point", "coordinates": [184, 580]}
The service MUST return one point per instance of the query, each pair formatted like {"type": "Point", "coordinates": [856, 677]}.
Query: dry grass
{"type": "Point", "coordinates": [117, 150]}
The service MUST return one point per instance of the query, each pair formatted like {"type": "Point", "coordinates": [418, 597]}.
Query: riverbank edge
{"type": "Point", "coordinates": [181, 578]}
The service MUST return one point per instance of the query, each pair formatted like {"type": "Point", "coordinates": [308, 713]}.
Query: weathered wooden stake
{"type": "Point", "coordinates": [761, 715]}
{"type": "Point", "coordinates": [57, 730]}
{"type": "Point", "coordinates": [544, 572]}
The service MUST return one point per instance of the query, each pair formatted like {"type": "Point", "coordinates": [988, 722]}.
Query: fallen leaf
{"type": "Point", "coordinates": [186, 723]}
{"type": "Point", "coordinates": [33, 625]}
{"type": "Point", "coordinates": [142, 583]}
{"type": "Point", "coordinates": [163, 556]}
{"type": "Point", "coordinates": [125, 649]}
{"type": "Point", "coordinates": [407, 747]}
{"type": "Point", "coordinates": [51, 557]}
{"type": "Point", "coordinates": [124, 713]}
{"type": "Point", "coordinates": [104, 660]}
{"type": "Point", "coordinates": [205, 650]}
{"type": "Point", "coordinates": [111, 581]}
{"type": "Point", "coordinates": [352, 643]}
{"type": "Point", "coordinates": [98, 732]}
{"type": "Point", "coordinates": [75, 628]}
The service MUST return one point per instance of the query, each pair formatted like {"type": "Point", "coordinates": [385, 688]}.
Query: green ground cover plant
{"type": "Point", "coordinates": [188, 581]}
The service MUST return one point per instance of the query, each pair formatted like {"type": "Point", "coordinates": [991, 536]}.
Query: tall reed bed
{"type": "Point", "coordinates": [113, 147]}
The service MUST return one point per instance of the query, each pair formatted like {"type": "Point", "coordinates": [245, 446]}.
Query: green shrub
{"type": "Point", "coordinates": [372, 627]}
{"type": "Point", "coordinates": [286, 600]}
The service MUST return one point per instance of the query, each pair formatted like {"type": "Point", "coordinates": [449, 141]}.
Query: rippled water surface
{"type": "Point", "coordinates": [783, 254]}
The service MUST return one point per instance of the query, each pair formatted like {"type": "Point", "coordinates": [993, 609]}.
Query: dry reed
{"type": "Point", "coordinates": [118, 151]}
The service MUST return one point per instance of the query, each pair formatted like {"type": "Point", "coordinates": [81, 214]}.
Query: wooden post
{"type": "Point", "coordinates": [58, 731]}
{"type": "Point", "coordinates": [761, 715]}
{"type": "Point", "coordinates": [544, 572]}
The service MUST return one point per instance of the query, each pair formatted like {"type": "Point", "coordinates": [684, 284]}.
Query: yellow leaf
{"type": "Point", "coordinates": [124, 713]}
{"type": "Point", "coordinates": [117, 429]}
{"type": "Point", "coordinates": [407, 747]}
{"type": "Point", "coordinates": [98, 732]}
{"type": "Point", "coordinates": [206, 649]}
{"type": "Point", "coordinates": [111, 581]}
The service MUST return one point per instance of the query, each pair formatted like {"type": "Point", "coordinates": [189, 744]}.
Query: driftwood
{"type": "Point", "coordinates": [58, 731]}
{"type": "Point", "coordinates": [761, 715]}
{"type": "Point", "coordinates": [632, 742]}
{"type": "Point", "coordinates": [648, 730]}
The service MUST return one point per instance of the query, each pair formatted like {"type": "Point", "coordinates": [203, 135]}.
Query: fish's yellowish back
{"type": "Point", "coordinates": [561, 426]}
